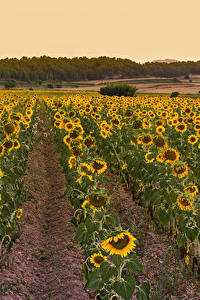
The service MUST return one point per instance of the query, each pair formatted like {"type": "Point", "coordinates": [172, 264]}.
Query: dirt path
{"type": "Point", "coordinates": [47, 264]}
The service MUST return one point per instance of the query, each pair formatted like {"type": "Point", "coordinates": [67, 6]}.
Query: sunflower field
{"type": "Point", "coordinates": [17, 117]}
{"type": "Point", "coordinates": [151, 142]}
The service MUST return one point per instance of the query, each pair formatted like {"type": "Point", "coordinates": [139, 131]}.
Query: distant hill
{"type": "Point", "coordinates": [166, 61]}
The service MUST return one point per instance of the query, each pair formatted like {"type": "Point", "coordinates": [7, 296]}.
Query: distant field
{"type": "Point", "coordinates": [144, 85]}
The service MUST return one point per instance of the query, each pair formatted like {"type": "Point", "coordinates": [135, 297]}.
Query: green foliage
{"type": "Point", "coordinates": [10, 84]}
{"type": "Point", "coordinates": [174, 94]}
{"type": "Point", "coordinates": [118, 90]}
{"type": "Point", "coordinates": [50, 86]}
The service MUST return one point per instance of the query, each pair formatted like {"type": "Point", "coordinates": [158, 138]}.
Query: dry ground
{"type": "Point", "coordinates": [46, 263]}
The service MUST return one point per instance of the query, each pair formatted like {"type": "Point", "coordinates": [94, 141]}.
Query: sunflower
{"type": "Point", "coordinates": [98, 166]}
{"type": "Point", "coordinates": [160, 129]}
{"type": "Point", "coordinates": [181, 128]}
{"type": "Point", "coordinates": [9, 129]}
{"type": "Point", "coordinates": [72, 114]}
{"type": "Point", "coordinates": [149, 158]}
{"type": "Point", "coordinates": [76, 151]}
{"type": "Point", "coordinates": [74, 134]}
{"type": "Point", "coordinates": [170, 155]}
{"type": "Point", "coordinates": [1, 173]}
{"type": "Point", "coordinates": [72, 162]}
{"type": "Point", "coordinates": [19, 213]}
{"type": "Point", "coordinates": [69, 126]}
{"type": "Point", "coordinates": [89, 142]}
{"type": "Point", "coordinates": [66, 139]}
{"type": "Point", "coordinates": [2, 148]}
{"type": "Point", "coordinates": [104, 133]}
{"type": "Point", "coordinates": [96, 200]}
{"type": "Point", "coordinates": [137, 124]}
{"type": "Point", "coordinates": [83, 169]}
{"type": "Point", "coordinates": [184, 203]}
{"type": "Point", "coordinates": [146, 140]}
{"type": "Point", "coordinates": [192, 190]}
{"type": "Point", "coordinates": [8, 144]}
{"type": "Point", "coordinates": [16, 144]}
{"type": "Point", "coordinates": [160, 158]}
{"type": "Point", "coordinates": [97, 258]}
{"type": "Point", "coordinates": [159, 141]}
{"type": "Point", "coordinates": [192, 139]}
{"type": "Point", "coordinates": [180, 170]}
{"type": "Point", "coordinates": [121, 244]}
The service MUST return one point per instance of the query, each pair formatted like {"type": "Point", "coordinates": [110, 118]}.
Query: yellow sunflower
{"type": "Point", "coordinates": [72, 162]}
{"type": "Point", "coordinates": [192, 139]}
{"type": "Point", "coordinates": [184, 203]}
{"type": "Point", "coordinates": [180, 170]}
{"type": "Point", "coordinates": [2, 148]}
{"type": "Point", "coordinates": [19, 213]}
{"type": "Point", "coordinates": [121, 244]}
{"type": "Point", "coordinates": [97, 258]}
{"type": "Point", "coordinates": [192, 190]}
{"type": "Point", "coordinates": [1, 173]}
{"type": "Point", "coordinates": [170, 155]}
{"type": "Point", "coordinates": [95, 201]}
{"type": "Point", "coordinates": [98, 166]}
{"type": "Point", "coordinates": [149, 158]}
{"type": "Point", "coordinates": [160, 129]}
{"type": "Point", "coordinates": [181, 128]}
{"type": "Point", "coordinates": [159, 141]}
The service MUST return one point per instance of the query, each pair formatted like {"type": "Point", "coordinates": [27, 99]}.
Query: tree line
{"type": "Point", "coordinates": [47, 68]}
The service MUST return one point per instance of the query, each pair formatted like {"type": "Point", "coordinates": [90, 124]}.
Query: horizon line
{"type": "Point", "coordinates": [89, 57]}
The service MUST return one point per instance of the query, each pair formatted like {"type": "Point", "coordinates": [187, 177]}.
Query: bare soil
{"type": "Point", "coordinates": [44, 263]}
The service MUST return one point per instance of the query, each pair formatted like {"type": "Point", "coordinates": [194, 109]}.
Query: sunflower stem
{"type": "Point", "coordinates": [119, 162]}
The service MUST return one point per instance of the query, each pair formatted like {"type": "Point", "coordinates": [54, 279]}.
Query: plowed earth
{"type": "Point", "coordinates": [46, 263]}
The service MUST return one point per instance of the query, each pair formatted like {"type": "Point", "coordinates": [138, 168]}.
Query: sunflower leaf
{"type": "Point", "coordinates": [107, 271]}
{"type": "Point", "coordinates": [124, 289]}
{"type": "Point", "coordinates": [94, 281]}
{"type": "Point", "coordinates": [144, 291]}
{"type": "Point", "coordinates": [117, 260]}
{"type": "Point", "coordinates": [134, 263]}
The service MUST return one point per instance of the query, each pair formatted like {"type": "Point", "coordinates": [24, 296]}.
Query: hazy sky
{"type": "Point", "coordinates": [142, 30]}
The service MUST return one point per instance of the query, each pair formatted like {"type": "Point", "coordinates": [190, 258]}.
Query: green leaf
{"type": "Point", "coordinates": [117, 260]}
{"type": "Point", "coordinates": [192, 233]}
{"type": "Point", "coordinates": [181, 239]}
{"type": "Point", "coordinates": [134, 263]}
{"type": "Point", "coordinates": [107, 271]}
{"type": "Point", "coordinates": [124, 289]}
{"type": "Point", "coordinates": [94, 281]}
{"type": "Point", "coordinates": [144, 291]}
{"type": "Point", "coordinates": [164, 217]}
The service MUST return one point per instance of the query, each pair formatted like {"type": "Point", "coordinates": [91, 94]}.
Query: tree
{"type": "Point", "coordinates": [118, 90]}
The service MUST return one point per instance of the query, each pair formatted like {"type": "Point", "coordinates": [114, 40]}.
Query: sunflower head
{"type": "Point", "coordinates": [191, 190]}
{"type": "Point", "coordinates": [72, 162]}
{"type": "Point", "coordinates": [184, 203]}
{"type": "Point", "coordinates": [170, 155]}
{"type": "Point", "coordinates": [180, 170]}
{"type": "Point", "coordinates": [97, 259]}
{"type": "Point", "coordinates": [89, 142]}
{"type": "Point", "coordinates": [192, 139]}
{"type": "Point", "coordinates": [9, 129]}
{"type": "Point", "coordinates": [159, 141]}
{"type": "Point", "coordinates": [19, 213]}
{"type": "Point", "coordinates": [2, 148]}
{"type": "Point", "coordinates": [98, 166]}
{"type": "Point", "coordinates": [120, 244]}
{"type": "Point", "coordinates": [8, 145]}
